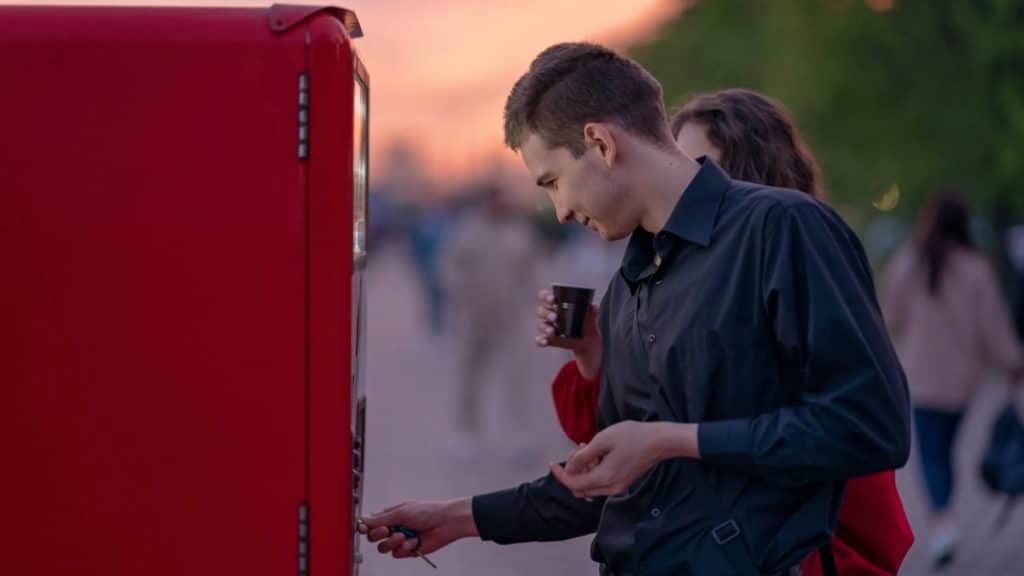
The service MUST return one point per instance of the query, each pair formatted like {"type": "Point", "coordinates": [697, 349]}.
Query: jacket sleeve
{"type": "Point", "coordinates": [544, 510]}
{"type": "Point", "coordinates": [853, 415]}
{"type": "Point", "coordinates": [539, 511]}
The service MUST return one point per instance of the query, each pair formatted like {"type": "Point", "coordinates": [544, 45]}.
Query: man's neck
{"type": "Point", "coordinates": [664, 176]}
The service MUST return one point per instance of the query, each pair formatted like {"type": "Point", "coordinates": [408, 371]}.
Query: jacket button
{"type": "Point", "coordinates": [651, 338]}
{"type": "Point", "coordinates": [655, 512]}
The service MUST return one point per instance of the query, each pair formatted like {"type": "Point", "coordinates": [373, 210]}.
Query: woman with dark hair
{"type": "Point", "coordinates": [752, 138]}
{"type": "Point", "coordinates": [942, 300]}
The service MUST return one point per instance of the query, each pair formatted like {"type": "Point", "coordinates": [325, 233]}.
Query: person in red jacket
{"type": "Point", "coordinates": [752, 138]}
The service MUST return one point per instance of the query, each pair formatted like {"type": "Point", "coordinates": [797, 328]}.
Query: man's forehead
{"type": "Point", "coordinates": [538, 156]}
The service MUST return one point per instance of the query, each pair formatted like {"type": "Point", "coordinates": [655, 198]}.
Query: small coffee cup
{"type": "Point", "coordinates": [571, 306]}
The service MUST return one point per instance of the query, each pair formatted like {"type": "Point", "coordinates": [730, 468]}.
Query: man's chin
{"type": "Point", "coordinates": [609, 236]}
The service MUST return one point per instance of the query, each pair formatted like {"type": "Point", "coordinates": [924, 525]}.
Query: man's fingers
{"type": "Point", "coordinates": [545, 313]}
{"type": "Point", "coordinates": [410, 545]}
{"type": "Point", "coordinates": [586, 486]}
{"type": "Point", "coordinates": [577, 483]}
{"type": "Point", "coordinates": [391, 516]}
{"type": "Point", "coordinates": [545, 295]}
{"type": "Point", "coordinates": [378, 534]}
{"type": "Point", "coordinates": [406, 548]}
{"type": "Point", "coordinates": [391, 543]}
{"type": "Point", "coordinates": [565, 479]}
{"type": "Point", "coordinates": [585, 458]}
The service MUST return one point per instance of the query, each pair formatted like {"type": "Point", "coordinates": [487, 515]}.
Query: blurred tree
{"type": "Point", "coordinates": [993, 31]}
{"type": "Point", "coordinates": [896, 97]}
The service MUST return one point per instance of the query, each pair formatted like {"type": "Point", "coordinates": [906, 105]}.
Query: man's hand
{"type": "Point", "coordinates": [438, 524]}
{"type": "Point", "coordinates": [621, 453]}
{"type": "Point", "coordinates": [586, 350]}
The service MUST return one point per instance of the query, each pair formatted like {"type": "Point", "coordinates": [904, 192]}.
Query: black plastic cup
{"type": "Point", "coordinates": [571, 306]}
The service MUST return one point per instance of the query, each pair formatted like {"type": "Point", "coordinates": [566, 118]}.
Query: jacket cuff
{"type": "Point", "coordinates": [726, 442]}
{"type": "Point", "coordinates": [496, 518]}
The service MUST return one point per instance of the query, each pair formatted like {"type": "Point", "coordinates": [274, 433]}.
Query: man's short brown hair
{"type": "Point", "coordinates": [569, 85]}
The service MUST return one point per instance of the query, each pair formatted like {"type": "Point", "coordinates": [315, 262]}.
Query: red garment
{"type": "Point", "coordinates": [576, 402]}
{"type": "Point", "coordinates": [872, 534]}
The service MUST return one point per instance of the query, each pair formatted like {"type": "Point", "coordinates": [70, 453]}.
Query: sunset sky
{"type": "Point", "coordinates": [440, 69]}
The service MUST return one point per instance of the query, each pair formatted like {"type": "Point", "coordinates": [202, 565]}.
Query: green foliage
{"type": "Point", "coordinates": [928, 94]}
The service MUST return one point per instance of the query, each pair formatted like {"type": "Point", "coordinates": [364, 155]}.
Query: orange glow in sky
{"type": "Point", "coordinates": [440, 69]}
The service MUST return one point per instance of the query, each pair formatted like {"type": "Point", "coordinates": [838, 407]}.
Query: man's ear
{"type": "Point", "coordinates": [601, 137]}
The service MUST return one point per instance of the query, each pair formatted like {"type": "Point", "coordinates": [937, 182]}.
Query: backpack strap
{"type": "Point", "coordinates": [727, 535]}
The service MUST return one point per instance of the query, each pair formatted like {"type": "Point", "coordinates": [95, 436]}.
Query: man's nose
{"type": "Point", "coordinates": [564, 214]}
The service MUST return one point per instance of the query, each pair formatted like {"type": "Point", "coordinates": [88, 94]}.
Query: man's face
{"type": "Point", "coordinates": [581, 188]}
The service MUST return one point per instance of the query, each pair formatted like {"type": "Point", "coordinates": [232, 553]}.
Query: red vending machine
{"type": "Point", "coordinates": [183, 197]}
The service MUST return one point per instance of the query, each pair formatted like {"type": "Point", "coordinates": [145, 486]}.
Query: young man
{"type": "Point", "coordinates": [746, 368]}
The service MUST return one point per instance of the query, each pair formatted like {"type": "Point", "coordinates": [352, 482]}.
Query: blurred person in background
{"type": "Point", "coordinates": [490, 252]}
{"type": "Point", "coordinates": [753, 138]}
{"type": "Point", "coordinates": [412, 204]}
{"type": "Point", "coordinates": [427, 236]}
{"type": "Point", "coordinates": [943, 302]}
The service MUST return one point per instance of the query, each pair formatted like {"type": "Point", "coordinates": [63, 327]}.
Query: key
{"type": "Point", "coordinates": [409, 533]}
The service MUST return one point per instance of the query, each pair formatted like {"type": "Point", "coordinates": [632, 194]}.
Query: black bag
{"type": "Point", "coordinates": [1002, 468]}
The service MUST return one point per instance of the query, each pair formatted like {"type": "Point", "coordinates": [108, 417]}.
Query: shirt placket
{"type": "Point", "coordinates": [648, 338]}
